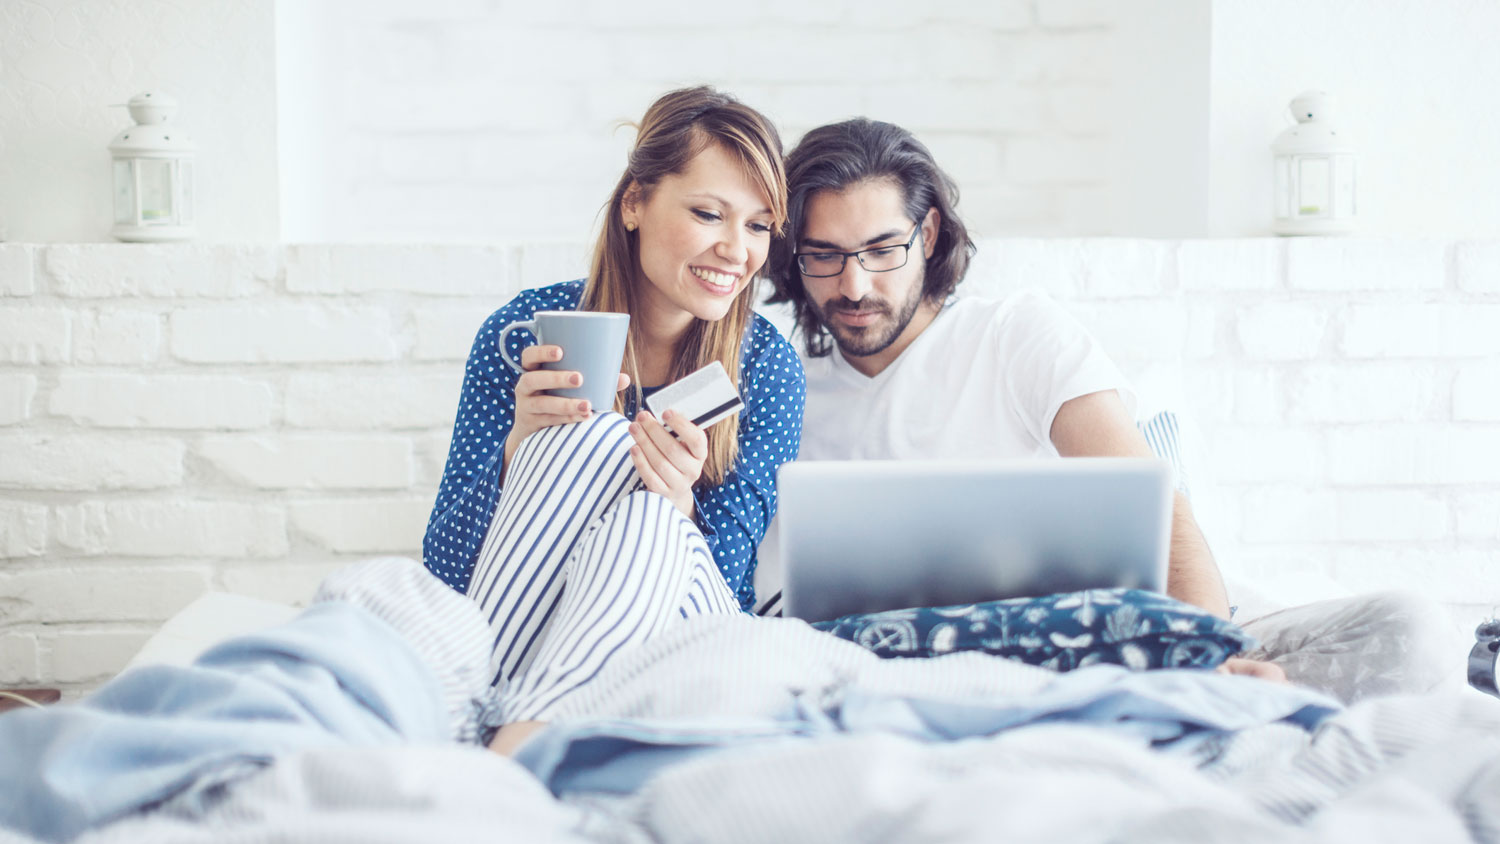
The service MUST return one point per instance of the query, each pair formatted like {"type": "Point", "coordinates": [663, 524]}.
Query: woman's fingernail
{"type": "Point", "coordinates": [583, 407]}
{"type": "Point", "coordinates": [577, 379]}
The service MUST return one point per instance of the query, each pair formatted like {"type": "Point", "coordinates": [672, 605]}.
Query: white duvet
{"type": "Point", "coordinates": [1424, 769]}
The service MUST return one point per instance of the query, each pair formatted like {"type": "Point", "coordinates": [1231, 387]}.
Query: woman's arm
{"type": "Point", "coordinates": [472, 476]}
{"type": "Point", "coordinates": [733, 516]}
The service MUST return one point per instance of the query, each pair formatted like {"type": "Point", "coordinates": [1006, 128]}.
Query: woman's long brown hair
{"type": "Point", "coordinates": [678, 126]}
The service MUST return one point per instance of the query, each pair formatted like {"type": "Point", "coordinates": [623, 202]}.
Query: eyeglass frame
{"type": "Point", "coordinates": [845, 256]}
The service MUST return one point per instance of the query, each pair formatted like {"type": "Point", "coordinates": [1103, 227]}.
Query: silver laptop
{"type": "Point", "coordinates": [868, 536]}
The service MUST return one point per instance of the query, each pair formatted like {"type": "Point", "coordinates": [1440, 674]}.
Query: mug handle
{"type": "Point", "coordinates": [529, 325]}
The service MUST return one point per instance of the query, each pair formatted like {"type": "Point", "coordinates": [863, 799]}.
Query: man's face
{"type": "Point", "coordinates": [866, 312]}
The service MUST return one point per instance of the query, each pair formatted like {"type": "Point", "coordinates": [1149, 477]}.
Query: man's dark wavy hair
{"type": "Point", "coordinates": [839, 155]}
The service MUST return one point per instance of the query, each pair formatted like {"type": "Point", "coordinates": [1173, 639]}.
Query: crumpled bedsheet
{"type": "Point", "coordinates": [746, 729]}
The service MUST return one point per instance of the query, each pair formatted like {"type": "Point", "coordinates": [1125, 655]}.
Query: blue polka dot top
{"type": "Point", "coordinates": [733, 515]}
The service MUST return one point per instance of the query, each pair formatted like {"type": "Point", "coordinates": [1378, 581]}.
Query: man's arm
{"type": "Point", "coordinates": [1097, 425]}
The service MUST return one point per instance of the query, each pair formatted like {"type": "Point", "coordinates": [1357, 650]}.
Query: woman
{"type": "Point", "coordinates": [561, 520]}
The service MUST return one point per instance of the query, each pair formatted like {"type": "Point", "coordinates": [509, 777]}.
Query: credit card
{"type": "Point", "coordinates": [705, 397]}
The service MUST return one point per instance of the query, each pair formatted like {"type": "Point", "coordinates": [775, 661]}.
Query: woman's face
{"type": "Point", "coordinates": [704, 234]}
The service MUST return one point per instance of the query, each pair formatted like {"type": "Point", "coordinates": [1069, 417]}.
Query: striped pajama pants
{"type": "Point", "coordinates": [580, 563]}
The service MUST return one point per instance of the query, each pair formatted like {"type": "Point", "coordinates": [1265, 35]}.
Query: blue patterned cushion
{"type": "Point", "coordinates": [1128, 627]}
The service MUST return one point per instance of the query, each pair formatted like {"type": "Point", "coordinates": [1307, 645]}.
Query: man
{"type": "Point", "coordinates": [899, 368]}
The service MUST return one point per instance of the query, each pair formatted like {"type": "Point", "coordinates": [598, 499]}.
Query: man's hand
{"type": "Point", "coordinates": [669, 465]}
{"type": "Point", "coordinates": [1253, 668]}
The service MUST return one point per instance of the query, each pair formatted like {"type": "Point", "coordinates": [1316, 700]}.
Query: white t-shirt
{"type": "Point", "coordinates": [985, 380]}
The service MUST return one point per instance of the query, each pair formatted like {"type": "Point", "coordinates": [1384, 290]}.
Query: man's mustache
{"type": "Point", "coordinates": [863, 306]}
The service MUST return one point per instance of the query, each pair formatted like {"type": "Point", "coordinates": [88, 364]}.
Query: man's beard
{"type": "Point", "coordinates": [862, 341]}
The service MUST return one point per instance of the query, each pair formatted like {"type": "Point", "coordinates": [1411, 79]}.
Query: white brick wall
{"type": "Point", "coordinates": [471, 122]}
{"type": "Point", "coordinates": [182, 418]}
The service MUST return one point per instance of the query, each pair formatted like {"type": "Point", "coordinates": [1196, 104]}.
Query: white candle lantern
{"type": "Point", "coordinates": [1315, 172]}
{"type": "Point", "coordinates": [153, 174]}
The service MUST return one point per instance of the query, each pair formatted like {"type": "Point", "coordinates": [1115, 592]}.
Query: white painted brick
{"type": "Point", "coordinates": [1000, 15]}
{"type": "Point", "coordinates": [1002, 266]}
{"type": "Point", "coordinates": [666, 58]}
{"type": "Point", "coordinates": [16, 277]}
{"type": "Point", "coordinates": [806, 105]}
{"type": "Point", "coordinates": [1419, 330]}
{"type": "Point", "coordinates": [1391, 515]}
{"type": "Point", "coordinates": [83, 462]}
{"type": "Point", "coordinates": [469, 105]}
{"type": "Point", "coordinates": [1266, 455]}
{"type": "Point", "coordinates": [343, 461]}
{"type": "Point", "coordinates": [16, 393]}
{"type": "Point", "coordinates": [1003, 210]}
{"type": "Point", "coordinates": [1121, 267]}
{"type": "Point", "coordinates": [1210, 394]}
{"type": "Point", "coordinates": [1239, 264]}
{"type": "Point", "coordinates": [1477, 516]}
{"type": "Point", "coordinates": [1079, 109]}
{"type": "Point", "coordinates": [543, 264]}
{"type": "Point", "coordinates": [1415, 454]}
{"type": "Point", "coordinates": [1290, 514]}
{"type": "Point", "coordinates": [1365, 393]}
{"type": "Point", "coordinates": [81, 656]}
{"type": "Point", "coordinates": [1058, 14]}
{"type": "Point", "coordinates": [100, 593]}
{"type": "Point", "coordinates": [1063, 57]}
{"type": "Point", "coordinates": [434, 12]}
{"type": "Point", "coordinates": [1281, 331]}
{"type": "Point", "coordinates": [1478, 265]}
{"type": "Point", "coordinates": [1331, 263]}
{"type": "Point", "coordinates": [18, 660]}
{"type": "Point", "coordinates": [960, 52]}
{"type": "Point", "coordinates": [34, 335]}
{"type": "Point", "coordinates": [957, 106]}
{"type": "Point", "coordinates": [1087, 210]}
{"type": "Point", "coordinates": [116, 337]}
{"type": "Point", "coordinates": [1442, 574]}
{"type": "Point", "coordinates": [364, 525]}
{"type": "Point", "coordinates": [1053, 160]}
{"type": "Point", "coordinates": [1202, 331]}
{"type": "Point", "coordinates": [173, 528]}
{"type": "Point", "coordinates": [284, 583]}
{"type": "Point", "coordinates": [448, 333]}
{"type": "Point", "coordinates": [100, 270]}
{"type": "Point", "coordinates": [1476, 393]}
{"type": "Point", "coordinates": [373, 402]}
{"type": "Point", "coordinates": [440, 270]}
{"type": "Point", "coordinates": [432, 456]}
{"type": "Point", "coordinates": [23, 529]}
{"type": "Point", "coordinates": [1259, 396]}
{"type": "Point", "coordinates": [594, 161]}
{"type": "Point", "coordinates": [284, 333]}
{"type": "Point", "coordinates": [969, 158]}
{"type": "Point", "coordinates": [1135, 330]}
{"type": "Point", "coordinates": [163, 401]}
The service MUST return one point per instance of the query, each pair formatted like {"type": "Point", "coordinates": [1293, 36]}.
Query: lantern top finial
{"type": "Point", "coordinates": [150, 107]}
{"type": "Point", "coordinates": [1310, 106]}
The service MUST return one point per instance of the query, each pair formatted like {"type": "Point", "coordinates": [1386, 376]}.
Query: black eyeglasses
{"type": "Point", "coordinates": [880, 259]}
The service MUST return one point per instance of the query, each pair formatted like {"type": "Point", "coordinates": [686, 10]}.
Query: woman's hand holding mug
{"type": "Point", "coordinates": [535, 409]}
{"type": "Point", "coordinates": [669, 465]}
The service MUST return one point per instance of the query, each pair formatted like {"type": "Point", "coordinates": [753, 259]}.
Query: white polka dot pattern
{"type": "Point", "coordinates": [733, 515]}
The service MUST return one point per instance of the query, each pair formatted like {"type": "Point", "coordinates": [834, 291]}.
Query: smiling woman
{"type": "Point", "coordinates": [568, 523]}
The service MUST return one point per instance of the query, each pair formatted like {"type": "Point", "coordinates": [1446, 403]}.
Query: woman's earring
{"type": "Point", "coordinates": [630, 227]}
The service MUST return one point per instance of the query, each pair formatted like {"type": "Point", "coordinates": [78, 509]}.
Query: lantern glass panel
{"type": "Point", "coordinates": [186, 169]}
{"type": "Point", "coordinates": [124, 194]}
{"type": "Point", "coordinates": [1313, 181]}
{"type": "Point", "coordinates": [156, 191]}
{"type": "Point", "coordinates": [1283, 187]}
